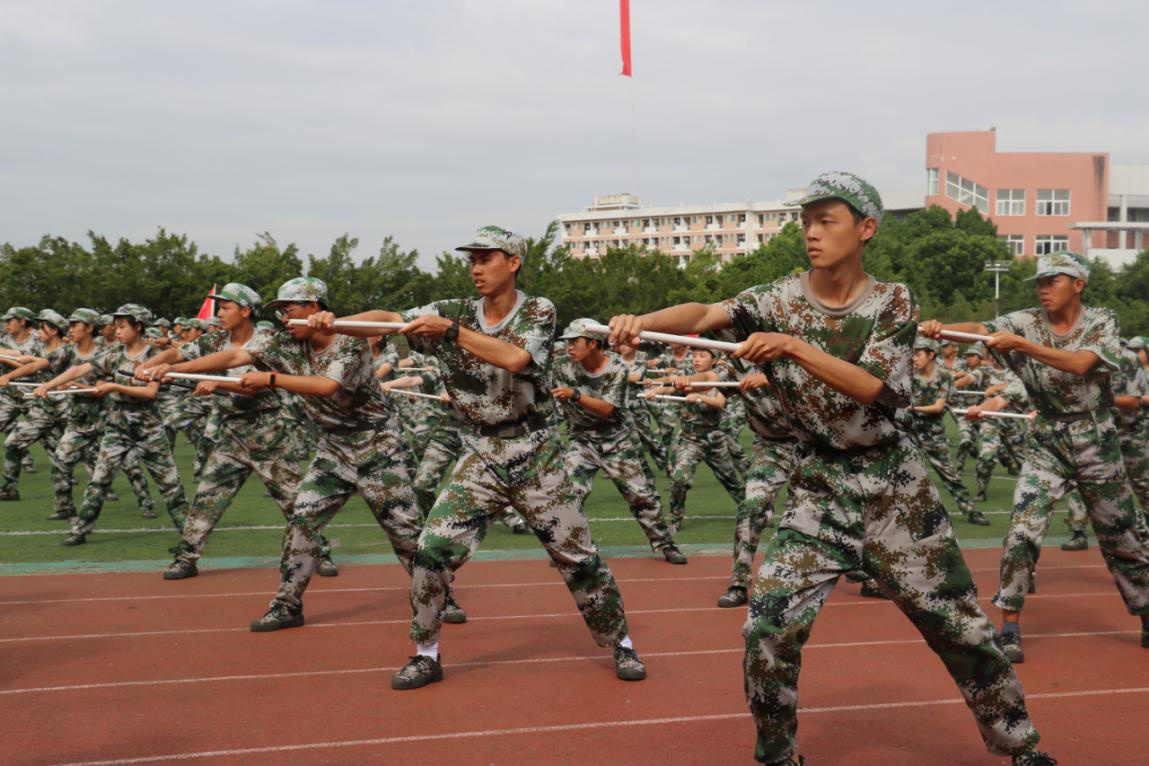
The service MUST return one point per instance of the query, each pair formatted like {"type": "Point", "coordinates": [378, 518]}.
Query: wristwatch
{"type": "Point", "coordinates": [452, 333]}
{"type": "Point", "coordinates": [576, 395]}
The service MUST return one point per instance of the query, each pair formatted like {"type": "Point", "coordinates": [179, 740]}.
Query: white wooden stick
{"type": "Point", "coordinates": [413, 369]}
{"type": "Point", "coordinates": [197, 376]}
{"type": "Point", "coordinates": [964, 336]}
{"type": "Point", "coordinates": [989, 414]}
{"type": "Point", "coordinates": [408, 392]}
{"type": "Point", "coordinates": [71, 391]}
{"type": "Point", "coordinates": [25, 384]}
{"type": "Point", "coordinates": [699, 383]}
{"type": "Point", "coordinates": [354, 324]}
{"type": "Point", "coordinates": [961, 392]}
{"type": "Point", "coordinates": [662, 337]}
{"type": "Point", "coordinates": [669, 398]}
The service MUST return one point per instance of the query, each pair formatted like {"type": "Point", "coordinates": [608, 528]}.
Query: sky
{"type": "Point", "coordinates": [425, 120]}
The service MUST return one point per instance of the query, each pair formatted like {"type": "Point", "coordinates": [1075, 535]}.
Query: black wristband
{"type": "Point", "coordinates": [452, 333]}
{"type": "Point", "coordinates": [575, 395]}
{"type": "Point", "coordinates": [271, 380]}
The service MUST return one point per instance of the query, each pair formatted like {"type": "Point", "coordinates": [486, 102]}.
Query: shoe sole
{"type": "Point", "coordinates": [631, 676]}
{"type": "Point", "coordinates": [454, 619]}
{"type": "Point", "coordinates": [180, 575]}
{"type": "Point", "coordinates": [263, 627]}
{"type": "Point", "coordinates": [73, 544]}
{"type": "Point", "coordinates": [403, 685]}
{"type": "Point", "coordinates": [328, 573]}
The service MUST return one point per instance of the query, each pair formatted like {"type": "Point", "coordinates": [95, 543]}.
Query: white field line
{"type": "Point", "coordinates": [569, 727]}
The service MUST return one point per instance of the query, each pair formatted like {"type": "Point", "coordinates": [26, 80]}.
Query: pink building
{"type": "Point", "coordinates": [1041, 201]}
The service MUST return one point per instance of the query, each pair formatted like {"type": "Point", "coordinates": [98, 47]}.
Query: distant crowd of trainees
{"type": "Point", "coordinates": [844, 389]}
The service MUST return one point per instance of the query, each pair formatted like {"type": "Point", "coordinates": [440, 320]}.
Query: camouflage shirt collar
{"type": "Point", "coordinates": [834, 311]}
{"type": "Point", "coordinates": [480, 315]}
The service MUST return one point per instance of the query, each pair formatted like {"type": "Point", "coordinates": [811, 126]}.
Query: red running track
{"type": "Point", "coordinates": [128, 668]}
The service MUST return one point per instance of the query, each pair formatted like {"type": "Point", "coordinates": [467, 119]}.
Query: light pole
{"type": "Point", "coordinates": [997, 269]}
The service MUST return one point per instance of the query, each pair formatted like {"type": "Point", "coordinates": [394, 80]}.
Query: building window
{"type": "Point", "coordinates": [741, 218]}
{"type": "Point", "coordinates": [931, 182]}
{"type": "Point", "coordinates": [1015, 243]}
{"type": "Point", "coordinates": [1048, 243]}
{"type": "Point", "coordinates": [761, 220]}
{"type": "Point", "coordinates": [1053, 201]}
{"type": "Point", "coordinates": [967, 192]}
{"type": "Point", "coordinates": [1010, 202]}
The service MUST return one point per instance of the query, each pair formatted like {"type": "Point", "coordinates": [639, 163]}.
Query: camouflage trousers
{"type": "Point", "coordinates": [12, 406]}
{"type": "Point", "coordinates": [935, 447]}
{"type": "Point", "coordinates": [253, 443]}
{"type": "Point", "coordinates": [189, 415]}
{"type": "Point", "coordinates": [1135, 452]}
{"type": "Point", "coordinates": [731, 428]}
{"type": "Point", "coordinates": [967, 441]}
{"type": "Point", "coordinates": [1087, 453]}
{"type": "Point", "coordinates": [619, 455]}
{"type": "Point", "coordinates": [75, 447]}
{"type": "Point", "coordinates": [125, 433]}
{"type": "Point", "coordinates": [696, 447]}
{"type": "Point", "coordinates": [365, 462]}
{"type": "Point", "coordinates": [991, 448]}
{"type": "Point", "coordinates": [443, 448]}
{"type": "Point", "coordinates": [875, 510]}
{"type": "Point", "coordinates": [40, 423]}
{"type": "Point", "coordinates": [527, 473]}
{"type": "Point", "coordinates": [649, 435]}
{"type": "Point", "coordinates": [773, 461]}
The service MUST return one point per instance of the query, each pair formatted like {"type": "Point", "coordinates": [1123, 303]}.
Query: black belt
{"type": "Point", "coordinates": [597, 428]}
{"type": "Point", "coordinates": [514, 429]}
{"type": "Point", "coordinates": [1066, 417]}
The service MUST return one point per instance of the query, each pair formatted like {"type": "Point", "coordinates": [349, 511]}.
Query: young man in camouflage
{"type": "Point", "coordinates": [1064, 353]}
{"type": "Point", "coordinates": [640, 411]}
{"type": "Point", "coordinates": [932, 390]}
{"type": "Point", "coordinates": [252, 437]}
{"type": "Point", "coordinates": [591, 386]}
{"type": "Point", "coordinates": [358, 448]}
{"type": "Point", "coordinates": [495, 352]}
{"type": "Point", "coordinates": [839, 346]}
{"type": "Point", "coordinates": [132, 425]}
{"type": "Point", "coordinates": [20, 342]}
{"type": "Point", "coordinates": [43, 418]}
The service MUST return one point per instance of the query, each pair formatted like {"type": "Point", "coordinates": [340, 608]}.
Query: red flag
{"type": "Point", "coordinates": [207, 310]}
{"type": "Point", "coordinates": [624, 21]}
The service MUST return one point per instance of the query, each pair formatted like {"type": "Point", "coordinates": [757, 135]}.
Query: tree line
{"type": "Point", "coordinates": [941, 257]}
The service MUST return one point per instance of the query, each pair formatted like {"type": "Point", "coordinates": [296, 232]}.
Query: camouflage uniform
{"type": "Point", "coordinates": [997, 433]}
{"type": "Point", "coordinates": [967, 429]}
{"type": "Point", "coordinates": [610, 445]}
{"type": "Point", "coordinates": [132, 426]}
{"type": "Point", "coordinates": [731, 424]}
{"type": "Point", "coordinates": [251, 438]}
{"type": "Point", "coordinates": [13, 403]}
{"type": "Point", "coordinates": [43, 419]}
{"type": "Point", "coordinates": [701, 439]}
{"type": "Point", "coordinates": [187, 413]}
{"type": "Point", "coordinates": [1130, 379]}
{"type": "Point", "coordinates": [929, 432]}
{"type": "Point", "coordinates": [511, 456]}
{"type": "Point", "coordinates": [357, 451]}
{"type": "Point", "coordinates": [641, 412]}
{"type": "Point", "coordinates": [443, 446]}
{"type": "Point", "coordinates": [861, 498]}
{"type": "Point", "coordinates": [1074, 439]}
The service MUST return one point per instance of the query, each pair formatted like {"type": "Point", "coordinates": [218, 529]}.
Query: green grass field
{"type": "Point", "coordinates": [27, 539]}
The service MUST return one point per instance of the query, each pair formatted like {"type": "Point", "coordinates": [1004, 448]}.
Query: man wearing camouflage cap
{"type": "Point", "coordinates": [591, 386]}
{"type": "Point", "coordinates": [132, 426]}
{"type": "Point", "coordinates": [1065, 354]}
{"type": "Point", "coordinates": [358, 450]}
{"type": "Point", "coordinates": [836, 346]}
{"type": "Point", "coordinates": [495, 353]}
{"type": "Point", "coordinates": [251, 434]}
{"type": "Point", "coordinates": [20, 342]}
{"type": "Point", "coordinates": [43, 419]}
{"type": "Point", "coordinates": [969, 375]}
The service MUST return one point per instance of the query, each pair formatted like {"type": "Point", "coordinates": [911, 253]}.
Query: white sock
{"type": "Point", "coordinates": [625, 642]}
{"type": "Point", "coordinates": [428, 650]}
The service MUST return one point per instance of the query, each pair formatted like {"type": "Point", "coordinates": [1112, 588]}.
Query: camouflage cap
{"type": "Point", "coordinates": [1138, 342]}
{"type": "Point", "coordinates": [1053, 264]}
{"type": "Point", "coordinates": [977, 349]}
{"type": "Point", "coordinates": [153, 333]}
{"type": "Point", "coordinates": [238, 293]}
{"type": "Point", "coordinates": [264, 324]}
{"type": "Point", "coordinates": [106, 319]}
{"type": "Point", "coordinates": [161, 322]}
{"type": "Point", "coordinates": [847, 187]}
{"type": "Point", "coordinates": [134, 311]}
{"type": "Point", "coordinates": [88, 316]}
{"type": "Point", "coordinates": [926, 344]}
{"type": "Point", "coordinates": [19, 312]}
{"type": "Point", "coordinates": [214, 322]}
{"type": "Point", "coordinates": [497, 238]}
{"type": "Point", "coordinates": [197, 324]}
{"type": "Point", "coordinates": [577, 329]}
{"type": "Point", "coordinates": [179, 321]}
{"type": "Point", "coordinates": [54, 318]}
{"type": "Point", "coordinates": [300, 290]}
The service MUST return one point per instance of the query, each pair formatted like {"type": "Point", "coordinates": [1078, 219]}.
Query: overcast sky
{"type": "Point", "coordinates": [426, 120]}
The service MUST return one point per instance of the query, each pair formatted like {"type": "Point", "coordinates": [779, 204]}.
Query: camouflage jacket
{"type": "Point", "coordinates": [926, 391]}
{"type": "Point", "coordinates": [225, 402]}
{"type": "Point", "coordinates": [608, 384]}
{"type": "Point", "coordinates": [1129, 379]}
{"type": "Point", "coordinates": [117, 366]}
{"type": "Point", "coordinates": [875, 332]}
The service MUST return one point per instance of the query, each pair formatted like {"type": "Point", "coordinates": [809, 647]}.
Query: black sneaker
{"type": "Point", "coordinates": [75, 538]}
{"type": "Point", "coordinates": [181, 569]}
{"type": "Point", "coordinates": [977, 518]}
{"type": "Point", "coordinates": [673, 555]}
{"type": "Point", "coordinates": [112, 497]}
{"type": "Point", "coordinates": [417, 673]}
{"type": "Point", "coordinates": [627, 665]}
{"type": "Point", "coordinates": [734, 596]}
{"type": "Point", "coordinates": [1076, 542]}
{"type": "Point", "coordinates": [1032, 585]}
{"type": "Point", "coordinates": [1033, 758]}
{"type": "Point", "coordinates": [10, 493]}
{"type": "Point", "coordinates": [521, 529]}
{"type": "Point", "coordinates": [869, 590]}
{"type": "Point", "coordinates": [278, 617]}
{"type": "Point", "coordinates": [453, 613]}
{"type": "Point", "coordinates": [326, 567]}
{"type": "Point", "coordinates": [1010, 645]}
{"type": "Point", "coordinates": [980, 497]}
{"type": "Point", "coordinates": [147, 513]}
{"type": "Point", "coordinates": [62, 516]}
